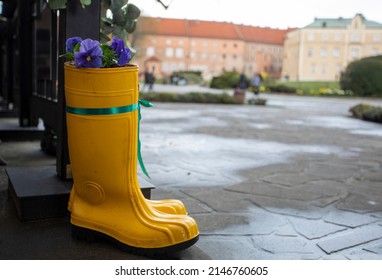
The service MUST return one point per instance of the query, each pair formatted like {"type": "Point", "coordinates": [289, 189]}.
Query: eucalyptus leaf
{"type": "Point", "coordinates": [119, 32]}
{"type": "Point", "coordinates": [117, 4]}
{"type": "Point", "coordinates": [132, 12]}
{"type": "Point", "coordinates": [119, 17]}
{"type": "Point", "coordinates": [130, 26]}
{"type": "Point", "coordinates": [57, 4]}
{"type": "Point", "coordinates": [132, 52]}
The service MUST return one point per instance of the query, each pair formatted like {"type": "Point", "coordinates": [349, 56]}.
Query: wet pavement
{"type": "Point", "coordinates": [296, 179]}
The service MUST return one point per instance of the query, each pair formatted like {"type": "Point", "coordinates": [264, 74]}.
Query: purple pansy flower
{"type": "Point", "coordinates": [89, 55]}
{"type": "Point", "coordinates": [71, 43]}
{"type": "Point", "coordinates": [122, 53]}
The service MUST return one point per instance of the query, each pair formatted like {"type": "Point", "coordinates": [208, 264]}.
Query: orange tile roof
{"type": "Point", "coordinates": [210, 29]}
{"type": "Point", "coordinates": [263, 34]}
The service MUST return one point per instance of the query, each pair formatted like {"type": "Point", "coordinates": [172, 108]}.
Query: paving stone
{"type": "Point", "coordinates": [286, 230]}
{"type": "Point", "coordinates": [271, 190]}
{"type": "Point", "coordinates": [377, 249]}
{"type": "Point", "coordinates": [219, 199]}
{"type": "Point", "coordinates": [363, 255]}
{"type": "Point", "coordinates": [331, 171]}
{"type": "Point", "coordinates": [349, 219]}
{"type": "Point", "coordinates": [246, 223]}
{"type": "Point", "coordinates": [372, 188]}
{"type": "Point", "coordinates": [217, 222]}
{"type": "Point", "coordinates": [328, 190]}
{"type": "Point", "coordinates": [288, 179]}
{"type": "Point", "coordinates": [283, 245]}
{"type": "Point", "coordinates": [360, 203]}
{"type": "Point", "coordinates": [314, 229]}
{"type": "Point", "coordinates": [350, 238]}
{"type": "Point", "coordinates": [235, 248]}
{"type": "Point", "coordinates": [288, 207]}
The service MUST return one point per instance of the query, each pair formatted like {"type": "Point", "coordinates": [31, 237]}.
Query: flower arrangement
{"type": "Point", "coordinates": [90, 53]}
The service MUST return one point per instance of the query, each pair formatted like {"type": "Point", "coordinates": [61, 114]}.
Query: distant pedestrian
{"type": "Point", "coordinates": [256, 82]}
{"type": "Point", "coordinates": [149, 81]}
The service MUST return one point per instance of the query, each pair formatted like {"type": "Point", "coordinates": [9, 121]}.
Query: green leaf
{"type": "Point", "coordinates": [68, 56]}
{"type": "Point", "coordinates": [130, 26]}
{"type": "Point", "coordinates": [77, 48]}
{"type": "Point", "coordinates": [132, 12]}
{"type": "Point", "coordinates": [132, 52]}
{"type": "Point", "coordinates": [109, 56]}
{"type": "Point", "coordinates": [57, 4]}
{"type": "Point", "coordinates": [119, 32]}
{"type": "Point", "coordinates": [117, 4]}
{"type": "Point", "coordinates": [119, 17]}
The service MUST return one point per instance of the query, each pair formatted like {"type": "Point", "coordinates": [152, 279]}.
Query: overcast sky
{"type": "Point", "coordinates": [265, 13]}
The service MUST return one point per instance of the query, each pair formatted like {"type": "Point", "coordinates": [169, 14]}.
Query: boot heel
{"type": "Point", "coordinates": [84, 234]}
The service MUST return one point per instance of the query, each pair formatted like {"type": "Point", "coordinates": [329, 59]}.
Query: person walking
{"type": "Point", "coordinates": [256, 82]}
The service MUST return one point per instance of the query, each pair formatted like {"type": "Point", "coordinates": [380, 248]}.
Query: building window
{"type": "Point", "coordinates": [310, 52]}
{"type": "Point", "coordinates": [150, 51]}
{"type": "Point", "coordinates": [355, 37]}
{"type": "Point", "coordinates": [165, 67]}
{"type": "Point", "coordinates": [354, 53]}
{"type": "Point", "coordinates": [323, 69]}
{"type": "Point", "coordinates": [313, 68]}
{"type": "Point", "coordinates": [337, 37]}
{"type": "Point", "coordinates": [179, 52]}
{"type": "Point", "coordinates": [375, 52]}
{"type": "Point", "coordinates": [324, 53]}
{"type": "Point", "coordinates": [325, 37]}
{"type": "Point", "coordinates": [182, 66]}
{"type": "Point", "coordinates": [336, 53]}
{"type": "Point", "coordinates": [169, 52]}
{"type": "Point", "coordinates": [376, 38]}
{"type": "Point", "coordinates": [192, 54]}
{"type": "Point", "coordinates": [181, 42]}
{"type": "Point", "coordinates": [310, 37]}
{"type": "Point", "coordinates": [168, 42]}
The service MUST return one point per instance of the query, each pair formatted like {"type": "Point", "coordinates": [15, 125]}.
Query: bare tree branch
{"type": "Point", "coordinates": [164, 6]}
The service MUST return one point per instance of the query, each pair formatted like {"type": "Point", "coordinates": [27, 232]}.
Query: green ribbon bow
{"type": "Point", "coordinates": [144, 103]}
{"type": "Point", "coordinates": [114, 111]}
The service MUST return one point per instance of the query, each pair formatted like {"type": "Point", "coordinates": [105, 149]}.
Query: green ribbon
{"type": "Point", "coordinates": [143, 103]}
{"type": "Point", "coordinates": [102, 111]}
{"type": "Point", "coordinates": [114, 111]}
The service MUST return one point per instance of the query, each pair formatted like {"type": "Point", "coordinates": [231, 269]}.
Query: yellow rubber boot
{"type": "Point", "coordinates": [168, 206]}
{"type": "Point", "coordinates": [102, 125]}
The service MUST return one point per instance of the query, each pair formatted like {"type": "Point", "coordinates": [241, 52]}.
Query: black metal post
{"type": "Point", "coordinates": [85, 23]}
{"type": "Point", "coordinates": [25, 47]}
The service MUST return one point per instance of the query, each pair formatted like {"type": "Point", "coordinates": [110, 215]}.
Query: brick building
{"type": "Point", "coordinates": [168, 45]}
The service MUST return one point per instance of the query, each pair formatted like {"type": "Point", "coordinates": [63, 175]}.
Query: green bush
{"type": "Point", "coordinates": [282, 89]}
{"type": "Point", "coordinates": [363, 77]}
{"type": "Point", "coordinates": [226, 80]}
{"type": "Point", "coordinates": [192, 97]}
{"type": "Point", "coordinates": [367, 112]}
